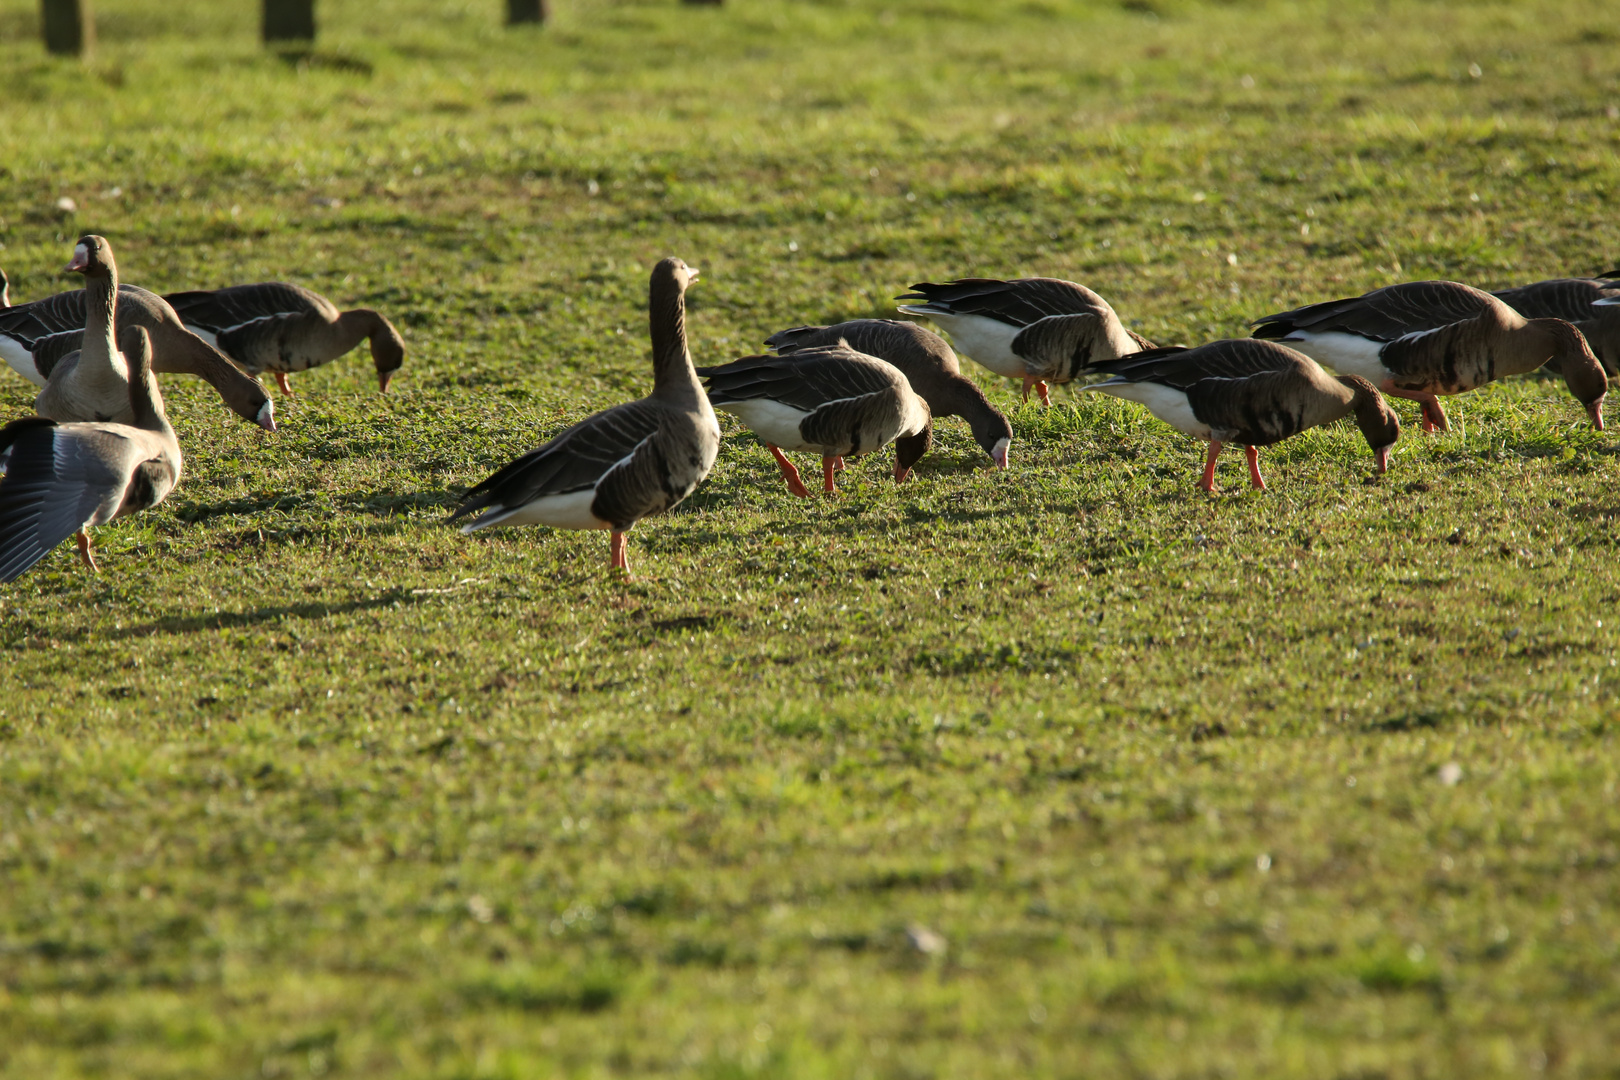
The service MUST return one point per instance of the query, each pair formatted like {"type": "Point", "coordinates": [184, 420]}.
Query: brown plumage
{"type": "Point", "coordinates": [37, 337]}
{"type": "Point", "coordinates": [928, 364]}
{"type": "Point", "coordinates": [1429, 338]}
{"type": "Point", "coordinates": [1591, 304]}
{"type": "Point", "coordinates": [1038, 330]}
{"type": "Point", "coordinates": [1249, 392]}
{"type": "Point", "coordinates": [282, 328]}
{"type": "Point", "coordinates": [62, 479]}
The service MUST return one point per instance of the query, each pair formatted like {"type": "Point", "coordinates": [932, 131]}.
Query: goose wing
{"type": "Point", "coordinates": [60, 478]}
{"type": "Point", "coordinates": [1017, 302]}
{"type": "Point", "coordinates": [1570, 299]}
{"type": "Point", "coordinates": [1383, 314]}
{"type": "Point", "coordinates": [59, 314]}
{"type": "Point", "coordinates": [574, 460]}
{"type": "Point", "coordinates": [217, 310]}
{"type": "Point", "coordinates": [1182, 368]}
{"type": "Point", "coordinates": [806, 379]}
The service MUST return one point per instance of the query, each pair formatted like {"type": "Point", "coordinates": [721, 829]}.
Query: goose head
{"type": "Point", "coordinates": [909, 449]}
{"type": "Point", "coordinates": [92, 257]}
{"type": "Point", "coordinates": [1378, 423]}
{"type": "Point", "coordinates": [673, 271]}
{"type": "Point", "coordinates": [387, 354]}
{"type": "Point", "coordinates": [1582, 371]}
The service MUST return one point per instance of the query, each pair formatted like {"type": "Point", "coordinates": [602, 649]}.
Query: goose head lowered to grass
{"type": "Point", "coordinates": [632, 461]}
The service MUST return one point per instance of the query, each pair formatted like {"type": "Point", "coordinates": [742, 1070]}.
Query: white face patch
{"type": "Point", "coordinates": [81, 254]}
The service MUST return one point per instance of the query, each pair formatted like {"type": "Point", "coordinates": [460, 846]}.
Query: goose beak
{"type": "Point", "coordinates": [81, 259]}
{"type": "Point", "coordinates": [691, 274]}
{"type": "Point", "coordinates": [999, 454]}
{"type": "Point", "coordinates": [1381, 458]}
{"type": "Point", "coordinates": [900, 473]}
{"type": "Point", "coordinates": [1595, 411]}
{"type": "Point", "coordinates": [383, 379]}
{"type": "Point", "coordinates": [267, 416]}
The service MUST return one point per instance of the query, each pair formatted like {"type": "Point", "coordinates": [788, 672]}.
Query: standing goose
{"type": "Point", "coordinates": [93, 383]}
{"type": "Point", "coordinates": [928, 364]}
{"type": "Point", "coordinates": [1038, 330]}
{"type": "Point", "coordinates": [283, 328]}
{"type": "Point", "coordinates": [1427, 338]}
{"type": "Point", "coordinates": [637, 459]}
{"type": "Point", "coordinates": [36, 337]}
{"type": "Point", "coordinates": [65, 478]}
{"type": "Point", "coordinates": [829, 400]}
{"type": "Point", "coordinates": [1249, 392]}
{"type": "Point", "coordinates": [1591, 304]}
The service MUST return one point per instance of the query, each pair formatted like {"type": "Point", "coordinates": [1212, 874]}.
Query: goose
{"type": "Point", "coordinates": [282, 328]}
{"type": "Point", "coordinates": [928, 364]}
{"type": "Point", "coordinates": [1038, 330]}
{"type": "Point", "coordinates": [1427, 338]}
{"type": "Point", "coordinates": [5, 290]}
{"type": "Point", "coordinates": [36, 337]}
{"type": "Point", "coordinates": [65, 478]}
{"type": "Point", "coordinates": [829, 400]}
{"type": "Point", "coordinates": [92, 383]}
{"type": "Point", "coordinates": [634, 460]}
{"type": "Point", "coordinates": [1591, 304]}
{"type": "Point", "coordinates": [1249, 392]}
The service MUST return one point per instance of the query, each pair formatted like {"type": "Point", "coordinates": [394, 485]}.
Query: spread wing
{"type": "Point", "coordinates": [1236, 358]}
{"type": "Point", "coordinates": [220, 309]}
{"type": "Point", "coordinates": [56, 481]}
{"type": "Point", "coordinates": [1383, 314]}
{"type": "Point", "coordinates": [1018, 302]}
{"type": "Point", "coordinates": [805, 379]}
{"type": "Point", "coordinates": [573, 461]}
{"type": "Point", "coordinates": [1570, 299]}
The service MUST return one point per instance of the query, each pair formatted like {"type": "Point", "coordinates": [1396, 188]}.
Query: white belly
{"type": "Point", "coordinates": [776, 423]}
{"type": "Point", "coordinates": [570, 511]}
{"type": "Point", "coordinates": [21, 360]}
{"type": "Point", "coordinates": [1348, 354]}
{"type": "Point", "coordinates": [1165, 402]}
{"type": "Point", "coordinates": [985, 341]}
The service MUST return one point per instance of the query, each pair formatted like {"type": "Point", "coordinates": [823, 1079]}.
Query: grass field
{"type": "Point", "coordinates": [1070, 771]}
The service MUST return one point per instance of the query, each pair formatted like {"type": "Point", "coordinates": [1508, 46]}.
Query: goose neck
{"type": "Point", "coordinates": [673, 376]}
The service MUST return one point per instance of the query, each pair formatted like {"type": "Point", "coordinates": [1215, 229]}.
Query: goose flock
{"type": "Point", "coordinates": [101, 447]}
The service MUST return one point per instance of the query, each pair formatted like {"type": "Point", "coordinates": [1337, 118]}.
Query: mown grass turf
{"type": "Point", "coordinates": [1072, 771]}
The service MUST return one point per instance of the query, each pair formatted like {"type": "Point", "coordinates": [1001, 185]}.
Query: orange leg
{"type": "Point", "coordinates": [617, 556]}
{"type": "Point", "coordinates": [1208, 482]}
{"type": "Point", "coordinates": [1040, 388]}
{"type": "Point", "coordinates": [281, 381]}
{"type": "Point", "coordinates": [829, 465]}
{"type": "Point", "coordinates": [1434, 417]}
{"type": "Point", "coordinates": [1254, 467]}
{"type": "Point", "coordinates": [85, 554]}
{"type": "Point", "coordinates": [790, 472]}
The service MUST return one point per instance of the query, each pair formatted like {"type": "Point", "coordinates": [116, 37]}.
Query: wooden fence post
{"type": "Point", "coordinates": [70, 29]}
{"type": "Point", "coordinates": [289, 20]}
{"type": "Point", "coordinates": [527, 11]}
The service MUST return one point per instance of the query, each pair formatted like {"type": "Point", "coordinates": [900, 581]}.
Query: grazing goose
{"type": "Point", "coordinates": [35, 337]}
{"type": "Point", "coordinates": [65, 478]}
{"type": "Point", "coordinates": [1249, 392]}
{"type": "Point", "coordinates": [1593, 305]}
{"type": "Point", "coordinates": [928, 364]}
{"type": "Point", "coordinates": [829, 400]}
{"type": "Point", "coordinates": [611, 470]}
{"type": "Point", "coordinates": [1039, 330]}
{"type": "Point", "coordinates": [282, 328]}
{"type": "Point", "coordinates": [1427, 338]}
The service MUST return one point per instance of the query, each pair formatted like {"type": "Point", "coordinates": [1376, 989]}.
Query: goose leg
{"type": "Point", "coordinates": [790, 472]}
{"type": "Point", "coordinates": [1208, 482]}
{"type": "Point", "coordinates": [617, 557]}
{"type": "Point", "coordinates": [281, 381]}
{"type": "Point", "coordinates": [829, 465]}
{"type": "Point", "coordinates": [1434, 417]}
{"type": "Point", "coordinates": [1254, 467]}
{"type": "Point", "coordinates": [85, 554]}
{"type": "Point", "coordinates": [1040, 388]}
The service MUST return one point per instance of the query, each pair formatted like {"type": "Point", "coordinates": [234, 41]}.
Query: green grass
{"type": "Point", "coordinates": [306, 784]}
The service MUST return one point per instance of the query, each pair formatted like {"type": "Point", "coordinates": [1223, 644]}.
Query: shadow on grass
{"type": "Point", "coordinates": [230, 620]}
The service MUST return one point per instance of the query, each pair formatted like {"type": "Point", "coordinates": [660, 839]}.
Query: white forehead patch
{"type": "Point", "coordinates": [80, 251]}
